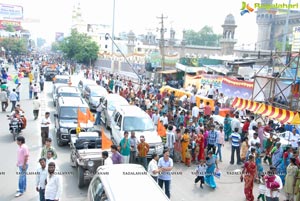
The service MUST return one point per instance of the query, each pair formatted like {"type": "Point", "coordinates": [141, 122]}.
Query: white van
{"type": "Point", "coordinates": [122, 182]}
{"type": "Point", "coordinates": [109, 104]}
{"type": "Point", "coordinates": [132, 118]}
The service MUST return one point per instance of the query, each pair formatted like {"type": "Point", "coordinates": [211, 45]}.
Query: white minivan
{"type": "Point", "coordinates": [132, 118]}
{"type": "Point", "coordinates": [121, 182]}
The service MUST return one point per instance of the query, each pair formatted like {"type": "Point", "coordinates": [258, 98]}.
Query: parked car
{"type": "Point", "coordinates": [83, 83]}
{"type": "Point", "coordinates": [65, 91]}
{"type": "Point", "coordinates": [92, 95]}
{"type": "Point", "coordinates": [66, 118]}
{"type": "Point", "coordinates": [114, 182]}
{"type": "Point", "coordinates": [132, 118]}
{"type": "Point", "coordinates": [86, 155]}
{"type": "Point", "coordinates": [109, 104]}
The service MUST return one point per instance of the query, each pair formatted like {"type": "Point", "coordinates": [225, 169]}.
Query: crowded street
{"type": "Point", "coordinates": [182, 186]}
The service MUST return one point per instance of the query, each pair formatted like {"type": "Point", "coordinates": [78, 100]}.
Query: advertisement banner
{"type": "Point", "coordinates": [11, 12]}
{"type": "Point", "coordinates": [5, 23]}
{"type": "Point", "coordinates": [236, 88]}
{"type": "Point", "coordinates": [228, 86]}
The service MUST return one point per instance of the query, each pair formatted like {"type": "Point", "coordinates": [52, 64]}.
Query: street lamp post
{"type": "Point", "coordinates": [113, 27]}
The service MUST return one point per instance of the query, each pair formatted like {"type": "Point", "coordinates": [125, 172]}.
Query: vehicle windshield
{"type": "Point", "coordinates": [97, 93]}
{"type": "Point", "coordinates": [111, 104]}
{"type": "Point", "coordinates": [68, 94]}
{"type": "Point", "coordinates": [88, 143]}
{"type": "Point", "coordinates": [64, 81]}
{"type": "Point", "coordinates": [70, 112]}
{"type": "Point", "coordinates": [138, 124]}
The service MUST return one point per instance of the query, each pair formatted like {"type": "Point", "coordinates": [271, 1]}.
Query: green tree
{"type": "Point", "coordinates": [204, 37]}
{"type": "Point", "coordinates": [278, 46]}
{"type": "Point", "coordinates": [79, 47]}
{"type": "Point", "coordinates": [15, 46]}
{"type": "Point", "coordinates": [10, 28]}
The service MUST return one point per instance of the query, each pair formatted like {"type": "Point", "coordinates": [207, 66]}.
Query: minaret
{"type": "Point", "coordinates": [264, 19]}
{"type": "Point", "coordinates": [77, 19]}
{"type": "Point", "coordinates": [227, 41]}
{"type": "Point", "coordinates": [131, 42]}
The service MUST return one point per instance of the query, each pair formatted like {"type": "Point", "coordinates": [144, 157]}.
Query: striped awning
{"type": "Point", "coordinates": [282, 115]}
{"type": "Point", "coordinates": [242, 104]}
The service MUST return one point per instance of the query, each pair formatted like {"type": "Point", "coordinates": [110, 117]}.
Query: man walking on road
{"type": "Point", "coordinates": [99, 109]}
{"type": "Point", "coordinates": [53, 188]}
{"type": "Point", "coordinates": [143, 148]}
{"type": "Point", "coordinates": [125, 147]}
{"type": "Point", "coordinates": [165, 164]}
{"type": "Point", "coordinates": [235, 146]}
{"type": "Point", "coordinates": [47, 148]}
{"type": "Point", "coordinates": [45, 127]}
{"type": "Point", "coordinates": [41, 178]}
{"type": "Point", "coordinates": [22, 163]}
{"type": "Point", "coordinates": [133, 147]}
{"type": "Point", "coordinates": [4, 100]}
{"type": "Point", "coordinates": [13, 98]}
{"type": "Point", "coordinates": [36, 107]}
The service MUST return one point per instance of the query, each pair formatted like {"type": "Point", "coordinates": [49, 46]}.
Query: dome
{"type": "Point", "coordinates": [229, 19]}
{"type": "Point", "coordinates": [131, 34]}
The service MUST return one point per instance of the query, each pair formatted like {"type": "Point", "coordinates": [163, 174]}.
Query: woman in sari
{"type": "Point", "coordinates": [248, 174]}
{"type": "Point", "coordinates": [205, 135]}
{"type": "Point", "coordinates": [290, 179]}
{"type": "Point", "coordinates": [185, 141]}
{"type": "Point", "coordinates": [287, 155]}
{"type": "Point", "coordinates": [200, 142]}
{"type": "Point", "coordinates": [212, 164]}
{"type": "Point", "coordinates": [297, 186]}
{"type": "Point", "coordinates": [227, 127]}
{"type": "Point", "coordinates": [244, 149]}
{"type": "Point", "coordinates": [177, 146]}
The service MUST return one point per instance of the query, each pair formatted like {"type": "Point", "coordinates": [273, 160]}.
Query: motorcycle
{"type": "Point", "coordinates": [15, 128]}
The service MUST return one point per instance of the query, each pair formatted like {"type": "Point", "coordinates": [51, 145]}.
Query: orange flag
{"type": "Point", "coordinates": [81, 117]}
{"type": "Point", "coordinates": [106, 143]}
{"type": "Point", "coordinates": [90, 115]}
{"type": "Point", "coordinates": [161, 130]}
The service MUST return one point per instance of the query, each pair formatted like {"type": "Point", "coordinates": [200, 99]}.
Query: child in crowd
{"type": "Point", "coordinates": [271, 182]}
{"type": "Point", "coordinates": [262, 189]}
{"type": "Point", "coordinates": [188, 156]}
{"type": "Point", "coordinates": [201, 170]}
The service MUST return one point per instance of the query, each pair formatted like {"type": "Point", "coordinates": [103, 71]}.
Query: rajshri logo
{"type": "Point", "coordinates": [246, 8]}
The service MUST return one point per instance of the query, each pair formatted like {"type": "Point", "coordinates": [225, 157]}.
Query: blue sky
{"type": "Point", "coordinates": [139, 15]}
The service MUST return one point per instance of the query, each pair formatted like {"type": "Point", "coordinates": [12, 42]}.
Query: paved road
{"type": "Point", "coordinates": [182, 188]}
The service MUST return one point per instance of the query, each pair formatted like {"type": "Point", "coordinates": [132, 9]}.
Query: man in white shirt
{"type": "Point", "coordinates": [252, 142]}
{"type": "Point", "coordinates": [164, 119]}
{"type": "Point", "coordinates": [153, 169]}
{"type": "Point", "coordinates": [49, 158]}
{"type": "Point", "coordinates": [41, 178]}
{"type": "Point", "coordinates": [195, 112]}
{"type": "Point", "coordinates": [13, 98]}
{"type": "Point", "coordinates": [274, 196]}
{"type": "Point", "coordinates": [36, 107]}
{"type": "Point", "coordinates": [53, 189]}
{"type": "Point", "coordinates": [210, 92]}
{"type": "Point", "coordinates": [235, 123]}
{"type": "Point", "coordinates": [45, 123]}
{"type": "Point", "coordinates": [107, 159]}
{"type": "Point", "coordinates": [252, 123]}
{"type": "Point", "coordinates": [170, 140]}
{"type": "Point", "coordinates": [293, 139]}
{"type": "Point", "coordinates": [155, 117]}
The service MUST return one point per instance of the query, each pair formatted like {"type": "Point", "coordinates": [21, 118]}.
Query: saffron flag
{"type": "Point", "coordinates": [81, 117]}
{"type": "Point", "coordinates": [161, 130]}
{"type": "Point", "coordinates": [106, 143]}
{"type": "Point", "coordinates": [90, 115]}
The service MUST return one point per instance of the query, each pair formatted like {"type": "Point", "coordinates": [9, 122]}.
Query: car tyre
{"type": "Point", "coordinates": [80, 177]}
{"type": "Point", "coordinates": [58, 141]}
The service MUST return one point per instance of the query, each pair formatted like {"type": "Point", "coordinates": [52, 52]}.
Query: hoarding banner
{"type": "Point", "coordinates": [11, 12]}
{"type": "Point", "coordinates": [5, 23]}
{"type": "Point", "coordinates": [296, 39]}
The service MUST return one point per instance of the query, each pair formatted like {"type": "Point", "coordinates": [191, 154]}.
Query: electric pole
{"type": "Point", "coordinates": [162, 40]}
